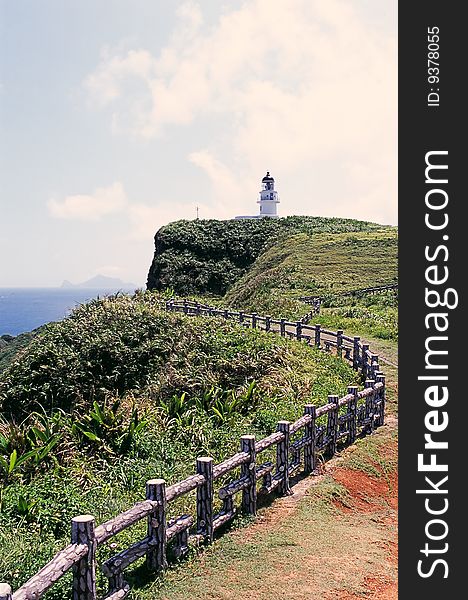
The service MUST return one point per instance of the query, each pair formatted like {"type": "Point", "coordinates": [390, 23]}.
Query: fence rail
{"type": "Point", "coordinates": [316, 301]}
{"type": "Point", "coordinates": [299, 445]}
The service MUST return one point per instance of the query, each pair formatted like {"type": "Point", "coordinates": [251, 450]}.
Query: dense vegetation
{"type": "Point", "coordinates": [120, 392]}
{"type": "Point", "coordinates": [325, 265]}
{"type": "Point", "coordinates": [116, 345]}
{"type": "Point", "coordinates": [10, 346]}
{"type": "Point", "coordinates": [208, 257]}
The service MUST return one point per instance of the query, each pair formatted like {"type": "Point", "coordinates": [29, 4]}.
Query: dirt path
{"type": "Point", "coordinates": [334, 538]}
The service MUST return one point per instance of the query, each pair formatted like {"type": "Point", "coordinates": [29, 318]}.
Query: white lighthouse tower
{"type": "Point", "coordinates": [268, 197]}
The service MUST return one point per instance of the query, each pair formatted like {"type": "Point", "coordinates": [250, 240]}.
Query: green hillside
{"type": "Point", "coordinates": [121, 392]}
{"type": "Point", "coordinates": [127, 345]}
{"type": "Point", "coordinates": [208, 257]}
{"type": "Point", "coordinates": [324, 265]}
{"type": "Point", "coordinates": [10, 346]}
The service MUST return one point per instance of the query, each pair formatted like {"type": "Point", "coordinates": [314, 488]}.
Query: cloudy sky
{"type": "Point", "coordinates": [118, 116]}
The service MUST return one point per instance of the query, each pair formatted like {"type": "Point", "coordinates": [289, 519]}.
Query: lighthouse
{"type": "Point", "coordinates": [268, 200]}
{"type": "Point", "coordinates": [268, 197]}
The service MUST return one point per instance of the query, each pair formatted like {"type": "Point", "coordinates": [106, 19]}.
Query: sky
{"type": "Point", "coordinates": [119, 116]}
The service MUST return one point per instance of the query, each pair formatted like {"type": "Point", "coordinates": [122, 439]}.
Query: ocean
{"type": "Point", "coordinates": [24, 309]}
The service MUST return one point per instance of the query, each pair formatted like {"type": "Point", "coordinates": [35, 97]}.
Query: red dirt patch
{"type": "Point", "coordinates": [367, 493]}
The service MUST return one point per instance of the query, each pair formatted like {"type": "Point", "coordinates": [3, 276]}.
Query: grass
{"type": "Point", "coordinates": [373, 315]}
{"type": "Point", "coordinates": [321, 264]}
{"type": "Point", "coordinates": [336, 552]}
{"type": "Point", "coordinates": [370, 455]}
{"type": "Point", "coordinates": [10, 346]}
{"type": "Point", "coordinates": [325, 265]}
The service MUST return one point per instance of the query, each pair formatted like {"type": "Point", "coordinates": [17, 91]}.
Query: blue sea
{"type": "Point", "coordinates": [24, 309]}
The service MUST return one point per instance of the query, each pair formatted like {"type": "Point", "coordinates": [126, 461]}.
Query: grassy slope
{"type": "Point", "coordinates": [318, 265]}
{"type": "Point", "coordinates": [302, 265]}
{"type": "Point", "coordinates": [9, 349]}
{"type": "Point", "coordinates": [257, 564]}
{"type": "Point", "coordinates": [160, 354]}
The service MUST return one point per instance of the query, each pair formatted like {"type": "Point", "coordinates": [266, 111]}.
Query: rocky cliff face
{"type": "Point", "coordinates": [205, 256]}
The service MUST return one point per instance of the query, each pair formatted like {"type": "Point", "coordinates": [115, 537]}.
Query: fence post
{"type": "Point", "coordinates": [282, 327]}
{"type": "Point", "coordinates": [205, 498]}
{"type": "Point", "coordinates": [282, 457]}
{"type": "Point", "coordinates": [352, 409]}
{"type": "Point", "coordinates": [317, 335]}
{"type": "Point", "coordinates": [198, 309]}
{"type": "Point", "coordinates": [156, 530]}
{"type": "Point", "coordinates": [381, 379]}
{"type": "Point", "coordinates": [298, 331]}
{"type": "Point", "coordinates": [226, 314]}
{"type": "Point", "coordinates": [309, 448]}
{"type": "Point", "coordinates": [332, 425]}
{"type": "Point", "coordinates": [5, 591]}
{"type": "Point", "coordinates": [249, 494]}
{"type": "Point", "coordinates": [254, 320]}
{"type": "Point", "coordinates": [365, 360]}
{"type": "Point", "coordinates": [339, 342]}
{"type": "Point", "coordinates": [317, 305]}
{"type": "Point", "coordinates": [84, 571]}
{"type": "Point", "coordinates": [356, 341]}
{"type": "Point", "coordinates": [374, 365]}
{"type": "Point", "coordinates": [241, 317]}
{"type": "Point", "coordinates": [370, 405]}
{"type": "Point", "coordinates": [267, 323]}
{"type": "Point", "coordinates": [185, 306]}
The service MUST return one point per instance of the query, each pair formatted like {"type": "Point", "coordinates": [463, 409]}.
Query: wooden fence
{"type": "Point", "coordinates": [296, 447]}
{"type": "Point", "coordinates": [316, 301]}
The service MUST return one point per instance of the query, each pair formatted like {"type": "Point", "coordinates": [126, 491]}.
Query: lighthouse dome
{"type": "Point", "coordinates": [267, 177]}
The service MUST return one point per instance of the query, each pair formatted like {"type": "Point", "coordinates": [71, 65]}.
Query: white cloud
{"type": "Point", "coordinates": [292, 82]}
{"type": "Point", "coordinates": [232, 195]}
{"type": "Point", "coordinates": [221, 176]}
{"type": "Point", "coordinates": [142, 220]}
{"type": "Point", "coordinates": [270, 57]}
{"type": "Point", "coordinates": [90, 207]}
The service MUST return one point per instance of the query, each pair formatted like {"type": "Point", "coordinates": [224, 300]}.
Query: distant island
{"type": "Point", "coordinates": [101, 282]}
